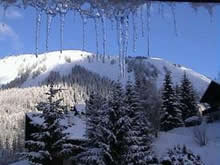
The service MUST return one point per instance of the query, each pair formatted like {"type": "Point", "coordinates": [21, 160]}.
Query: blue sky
{"type": "Point", "coordinates": [197, 45]}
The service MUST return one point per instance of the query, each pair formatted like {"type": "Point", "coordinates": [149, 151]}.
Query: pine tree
{"type": "Point", "coordinates": [118, 132]}
{"type": "Point", "coordinates": [189, 107]}
{"type": "Point", "coordinates": [116, 125]}
{"type": "Point", "coordinates": [138, 137]}
{"type": "Point", "coordinates": [177, 91]}
{"type": "Point", "coordinates": [171, 116]}
{"type": "Point", "coordinates": [95, 150]}
{"type": "Point", "coordinates": [106, 136]}
{"type": "Point", "coordinates": [49, 145]}
{"type": "Point", "coordinates": [93, 106]}
{"type": "Point", "coordinates": [149, 99]}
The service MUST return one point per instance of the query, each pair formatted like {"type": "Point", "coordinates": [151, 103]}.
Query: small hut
{"type": "Point", "coordinates": [212, 97]}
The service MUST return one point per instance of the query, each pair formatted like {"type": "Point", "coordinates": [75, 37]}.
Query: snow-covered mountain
{"type": "Point", "coordinates": [37, 69]}
{"type": "Point", "coordinates": [29, 71]}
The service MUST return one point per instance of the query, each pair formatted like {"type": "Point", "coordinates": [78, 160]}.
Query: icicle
{"type": "Point", "coordinates": [173, 7]}
{"type": "Point", "coordinates": [97, 39]}
{"type": "Point", "coordinates": [119, 39]}
{"type": "Point", "coordinates": [195, 8]}
{"type": "Point", "coordinates": [210, 9]}
{"type": "Point", "coordinates": [134, 15]}
{"type": "Point", "coordinates": [123, 41]}
{"type": "Point", "coordinates": [123, 44]}
{"type": "Point", "coordinates": [148, 28]}
{"type": "Point", "coordinates": [142, 21]}
{"type": "Point", "coordinates": [49, 21]}
{"type": "Point", "coordinates": [84, 32]}
{"type": "Point", "coordinates": [159, 8]}
{"type": "Point", "coordinates": [4, 16]}
{"type": "Point", "coordinates": [103, 38]}
{"type": "Point", "coordinates": [126, 35]}
{"type": "Point", "coordinates": [208, 6]}
{"type": "Point", "coordinates": [74, 16]}
{"type": "Point", "coordinates": [38, 23]}
{"type": "Point", "coordinates": [112, 24]}
{"type": "Point", "coordinates": [62, 21]}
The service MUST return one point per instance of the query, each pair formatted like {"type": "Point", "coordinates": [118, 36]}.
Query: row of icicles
{"type": "Point", "coordinates": [123, 20]}
{"type": "Point", "coordinates": [122, 23]}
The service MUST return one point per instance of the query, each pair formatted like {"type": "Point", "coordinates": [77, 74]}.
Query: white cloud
{"type": "Point", "coordinates": [10, 13]}
{"type": "Point", "coordinates": [7, 33]}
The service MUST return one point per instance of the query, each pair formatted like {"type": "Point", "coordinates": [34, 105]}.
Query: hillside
{"type": "Point", "coordinates": [23, 80]}
{"type": "Point", "coordinates": [32, 71]}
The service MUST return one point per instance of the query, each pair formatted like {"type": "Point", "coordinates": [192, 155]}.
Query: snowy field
{"type": "Point", "coordinates": [210, 154]}
{"type": "Point", "coordinates": [23, 162]}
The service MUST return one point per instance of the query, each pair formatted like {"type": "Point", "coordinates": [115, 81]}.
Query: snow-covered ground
{"type": "Point", "coordinates": [22, 162]}
{"type": "Point", "coordinates": [210, 153]}
{"type": "Point", "coordinates": [11, 67]}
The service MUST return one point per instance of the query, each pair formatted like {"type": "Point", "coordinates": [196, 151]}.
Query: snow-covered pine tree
{"type": "Point", "coordinates": [177, 91]}
{"type": "Point", "coordinates": [93, 113]}
{"type": "Point", "coordinates": [118, 130]}
{"type": "Point", "coordinates": [188, 103]}
{"type": "Point", "coordinates": [171, 116]}
{"type": "Point", "coordinates": [117, 125]}
{"type": "Point", "coordinates": [95, 148]}
{"type": "Point", "coordinates": [149, 99]}
{"type": "Point", "coordinates": [139, 136]}
{"type": "Point", "coordinates": [107, 144]}
{"type": "Point", "coordinates": [49, 145]}
{"type": "Point", "coordinates": [132, 100]}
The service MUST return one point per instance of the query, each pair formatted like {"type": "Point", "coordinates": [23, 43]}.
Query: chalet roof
{"type": "Point", "coordinates": [76, 126]}
{"type": "Point", "coordinates": [212, 94]}
{"type": "Point", "coordinates": [210, 111]}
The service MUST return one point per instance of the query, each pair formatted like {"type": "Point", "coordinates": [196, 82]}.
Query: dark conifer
{"type": "Point", "coordinates": [171, 116]}
{"type": "Point", "coordinates": [188, 103]}
{"type": "Point", "coordinates": [139, 136]}
{"type": "Point", "coordinates": [95, 121]}
{"type": "Point", "coordinates": [49, 146]}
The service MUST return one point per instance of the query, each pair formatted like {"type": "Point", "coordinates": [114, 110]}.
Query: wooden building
{"type": "Point", "coordinates": [212, 97]}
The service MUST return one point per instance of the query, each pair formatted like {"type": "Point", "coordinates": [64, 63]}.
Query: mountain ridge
{"type": "Point", "coordinates": [38, 69]}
